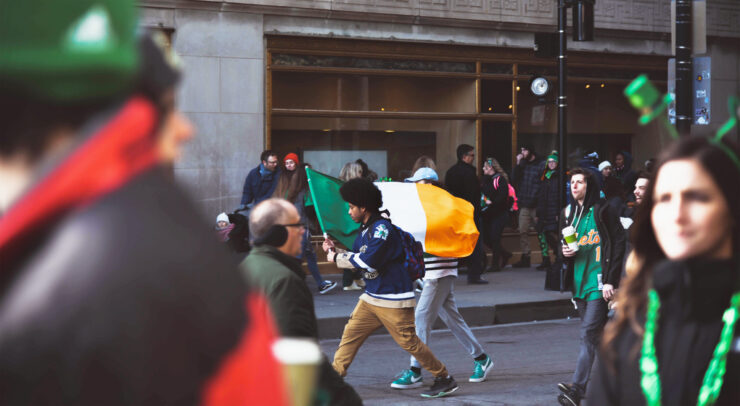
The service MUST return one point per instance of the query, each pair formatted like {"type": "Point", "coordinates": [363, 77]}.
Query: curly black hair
{"type": "Point", "coordinates": [362, 192]}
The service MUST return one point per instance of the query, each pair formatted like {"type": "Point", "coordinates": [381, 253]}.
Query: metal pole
{"type": "Point", "coordinates": [684, 68]}
{"type": "Point", "coordinates": [562, 100]}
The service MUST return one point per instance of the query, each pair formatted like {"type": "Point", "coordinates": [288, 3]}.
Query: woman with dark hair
{"type": "Point", "coordinates": [674, 339]}
{"type": "Point", "coordinates": [495, 188]}
{"type": "Point", "coordinates": [292, 186]}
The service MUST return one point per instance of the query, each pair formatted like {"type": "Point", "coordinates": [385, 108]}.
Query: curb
{"type": "Point", "coordinates": [475, 316]}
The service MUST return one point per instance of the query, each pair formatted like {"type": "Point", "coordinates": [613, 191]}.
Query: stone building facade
{"type": "Point", "coordinates": [228, 87]}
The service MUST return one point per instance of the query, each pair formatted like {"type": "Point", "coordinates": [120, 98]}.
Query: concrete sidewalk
{"type": "Point", "coordinates": [512, 296]}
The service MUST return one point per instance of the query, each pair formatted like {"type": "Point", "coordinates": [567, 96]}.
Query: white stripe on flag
{"type": "Point", "coordinates": [402, 200]}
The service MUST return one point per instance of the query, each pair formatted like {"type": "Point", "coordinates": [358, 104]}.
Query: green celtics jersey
{"type": "Point", "coordinates": [587, 265]}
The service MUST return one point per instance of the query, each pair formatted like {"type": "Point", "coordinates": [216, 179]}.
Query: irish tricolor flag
{"type": "Point", "coordinates": [441, 222]}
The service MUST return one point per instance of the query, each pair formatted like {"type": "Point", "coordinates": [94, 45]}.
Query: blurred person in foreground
{"type": "Point", "coordinates": [273, 268]}
{"type": "Point", "coordinates": [593, 271]}
{"type": "Point", "coordinates": [674, 340]}
{"type": "Point", "coordinates": [110, 291]}
{"type": "Point", "coordinates": [293, 186]}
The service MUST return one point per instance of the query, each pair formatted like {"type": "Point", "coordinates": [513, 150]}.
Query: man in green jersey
{"type": "Point", "coordinates": [593, 270]}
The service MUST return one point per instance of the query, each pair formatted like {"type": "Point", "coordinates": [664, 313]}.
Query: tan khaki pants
{"type": "Point", "coordinates": [366, 318]}
{"type": "Point", "coordinates": [526, 219]}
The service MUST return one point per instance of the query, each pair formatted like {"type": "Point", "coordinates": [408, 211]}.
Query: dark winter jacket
{"type": "Point", "coordinates": [611, 233]}
{"type": "Point", "coordinates": [259, 187]}
{"type": "Point", "coordinates": [625, 173]}
{"type": "Point", "coordinates": [499, 197]}
{"type": "Point", "coordinates": [461, 181]}
{"type": "Point", "coordinates": [548, 202]}
{"type": "Point", "coordinates": [526, 178]}
{"type": "Point", "coordinates": [130, 308]}
{"type": "Point", "coordinates": [282, 280]}
{"type": "Point", "coordinates": [693, 296]}
{"type": "Point", "coordinates": [113, 291]}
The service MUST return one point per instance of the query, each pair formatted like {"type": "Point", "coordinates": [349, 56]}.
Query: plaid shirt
{"type": "Point", "coordinates": [527, 182]}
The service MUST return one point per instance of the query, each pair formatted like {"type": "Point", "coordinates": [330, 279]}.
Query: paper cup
{"type": "Point", "coordinates": [300, 358]}
{"type": "Point", "coordinates": [570, 237]}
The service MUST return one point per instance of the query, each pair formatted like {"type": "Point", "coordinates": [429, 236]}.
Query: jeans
{"type": "Point", "coordinates": [309, 255]}
{"type": "Point", "coordinates": [593, 318]}
{"type": "Point", "coordinates": [438, 299]}
{"type": "Point", "coordinates": [493, 229]}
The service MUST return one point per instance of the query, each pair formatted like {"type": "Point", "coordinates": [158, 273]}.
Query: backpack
{"type": "Point", "coordinates": [413, 251]}
{"type": "Point", "coordinates": [513, 201]}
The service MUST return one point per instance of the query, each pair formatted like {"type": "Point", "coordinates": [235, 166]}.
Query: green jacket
{"type": "Point", "coordinates": [282, 280]}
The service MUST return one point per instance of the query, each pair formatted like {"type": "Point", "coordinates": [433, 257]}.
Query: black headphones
{"type": "Point", "coordinates": [276, 236]}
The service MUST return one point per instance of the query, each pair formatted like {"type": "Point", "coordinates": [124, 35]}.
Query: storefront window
{"type": "Point", "coordinates": [389, 146]}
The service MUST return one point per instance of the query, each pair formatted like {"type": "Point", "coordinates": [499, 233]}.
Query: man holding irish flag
{"type": "Point", "coordinates": [389, 299]}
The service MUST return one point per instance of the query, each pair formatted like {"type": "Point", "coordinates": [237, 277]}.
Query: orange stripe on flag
{"type": "Point", "coordinates": [451, 230]}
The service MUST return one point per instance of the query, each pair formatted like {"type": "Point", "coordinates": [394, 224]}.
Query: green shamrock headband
{"type": "Point", "coordinates": [643, 96]}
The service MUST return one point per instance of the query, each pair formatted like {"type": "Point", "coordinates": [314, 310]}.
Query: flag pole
{"type": "Point", "coordinates": [315, 205]}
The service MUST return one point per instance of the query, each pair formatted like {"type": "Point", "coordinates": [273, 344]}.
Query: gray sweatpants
{"type": "Point", "coordinates": [438, 299]}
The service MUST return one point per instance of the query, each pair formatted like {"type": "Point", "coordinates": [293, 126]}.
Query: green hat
{"type": "Point", "coordinates": [554, 156]}
{"type": "Point", "coordinates": [68, 50]}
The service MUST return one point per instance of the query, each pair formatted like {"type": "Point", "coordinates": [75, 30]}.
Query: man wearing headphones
{"type": "Point", "coordinates": [274, 269]}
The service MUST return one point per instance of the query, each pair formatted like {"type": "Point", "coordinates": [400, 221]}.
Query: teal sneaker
{"type": "Point", "coordinates": [409, 379]}
{"type": "Point", "coordinates": [481, 370]}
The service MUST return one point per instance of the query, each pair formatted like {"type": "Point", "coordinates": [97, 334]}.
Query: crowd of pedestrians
{"type": "Point", "coordinates": [111, 293]}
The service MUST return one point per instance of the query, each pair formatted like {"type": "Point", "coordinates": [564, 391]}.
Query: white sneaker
{"type": "Point", "coordinates": [353, 286]}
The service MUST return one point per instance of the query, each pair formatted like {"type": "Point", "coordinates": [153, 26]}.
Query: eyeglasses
{"type": "Point", "coordinates": [470, 154]}
{"type": "Point", "coordinates": [272, 162]}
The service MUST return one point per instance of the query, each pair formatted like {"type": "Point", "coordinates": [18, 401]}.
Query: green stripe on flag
{"type": "Point", "coordinates": [331, 210]}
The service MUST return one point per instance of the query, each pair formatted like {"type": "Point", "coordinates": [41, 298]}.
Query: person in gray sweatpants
{"type": "Point", "coordinates": [438, 299]}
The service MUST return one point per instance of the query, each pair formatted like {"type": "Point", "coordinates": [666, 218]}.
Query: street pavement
{"type": "Point", "coordinates": [512, 296]}
{"type": "Point", "coordinates": [530, 359]}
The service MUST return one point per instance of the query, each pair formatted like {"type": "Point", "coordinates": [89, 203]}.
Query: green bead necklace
{"type": "Point", "coordinates": [712, 384]}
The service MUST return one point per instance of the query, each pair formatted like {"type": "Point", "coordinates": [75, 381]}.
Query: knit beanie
{"type": "Point", "coordinates": [604, 165]}
{"type": "Point", "coordinates": [222, 217]}
{"type": "Point", "coordinates": [554, 156]}
{"type": "Point", "coordinates": [292, 156]}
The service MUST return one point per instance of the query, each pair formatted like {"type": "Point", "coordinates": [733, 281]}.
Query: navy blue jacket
{"type": "Point", "coordinates": [378, 252]}
{"type": "Point", "coordinates": [257, 187]}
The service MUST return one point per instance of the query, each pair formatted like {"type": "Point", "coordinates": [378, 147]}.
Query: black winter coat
{"type": "Point", "coordinates": [499, 197]}
{"type": "Point", "coordinates": [461, 181]}
{"type": "Point", "coordinates": [613, 242]}
{"type": "Point", "coordinates": [548, 203]}
{"type": "Point", "coordinates": [693, 297]}
{"type": "Point", "coordinates": [135, 303]}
